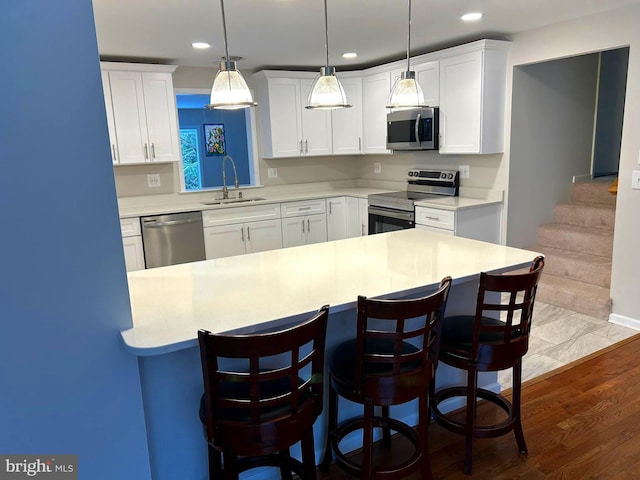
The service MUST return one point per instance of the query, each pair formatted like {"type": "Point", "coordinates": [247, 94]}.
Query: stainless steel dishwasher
{"type": "Point", "coordinates": [173, 238]}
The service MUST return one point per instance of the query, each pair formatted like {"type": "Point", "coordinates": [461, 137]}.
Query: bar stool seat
{"type": "Point", "coordinates": [263, 393]}
{"type": "Point", "coordinates": [383, 367]}
{"type": "Point", "coordinates": [483, 343]}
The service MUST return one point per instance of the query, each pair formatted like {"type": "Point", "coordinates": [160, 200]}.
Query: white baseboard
{"type": "Point", "coordinates": [582, 178]}
{"type": "Point", "coordinates": [624, 321]}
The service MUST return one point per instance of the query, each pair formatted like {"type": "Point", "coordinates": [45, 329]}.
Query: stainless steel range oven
{"type": "Point", "coordinates": [395, 210]}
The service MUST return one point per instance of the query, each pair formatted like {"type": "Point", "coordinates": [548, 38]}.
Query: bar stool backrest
{"type": "Point", "coordinates": [256, 385]}
{"type": "Point", "coordinates": [495, 346]}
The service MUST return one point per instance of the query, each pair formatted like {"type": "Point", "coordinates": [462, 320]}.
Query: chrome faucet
{"type": "Point", "coordinates": [225, 190]}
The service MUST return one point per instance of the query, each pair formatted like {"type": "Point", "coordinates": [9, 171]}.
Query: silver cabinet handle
{"type": "Point", "coordinates": [303, 225]}
{"type": "Point", "coordinates": [362, 234]}
{"type": "Point", "coordinates": [301, 151]}
{"type": "Point", "coordinates": [436, 219]}
{"type": "Point", "coordinates": [306, 146]}
{"type": "Point", "coordinates": [308, 225]}
{"type": "Point", "coordinates": [360, 144]}
{"type": "Point", "coordinates": [242, 233]}
{"type": "Point", "coordinates": [153, 151]}
{"type": "Point", "coordinates": [146, 152]}
{"type": "Point", "coordinates": [248, 234]}
{"type": "Point", "coordinates": [113, 148]}
{"type": "Point", "coordinates": [330, 207]}
{"type": "Point", "coordinates": [301, 209]}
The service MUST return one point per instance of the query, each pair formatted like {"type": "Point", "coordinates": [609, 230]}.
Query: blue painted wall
{"type": "Point", "coordinates": [191, 115]}
{"type": "Point", "coordinates": [67, 385]}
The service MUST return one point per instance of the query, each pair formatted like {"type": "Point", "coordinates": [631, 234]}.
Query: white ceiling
{"type": "Point", "coordinates": [290, 33]}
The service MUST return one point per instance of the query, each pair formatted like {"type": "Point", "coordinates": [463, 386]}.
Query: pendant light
{"type": "Point", "coordinates": [326, 92]}
{"type": "Point", "coordinates": [229, 91]}
{"type": "Point", "coordinates": [406, 92]}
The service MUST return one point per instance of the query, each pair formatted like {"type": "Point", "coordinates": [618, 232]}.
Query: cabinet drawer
{"type": "Point", "coordinates": [226, 216]}
{"type": "Point", "coordinates": [307, 207]}
{"type": "Point", "coordinates": [130, 226]}
{"type": "Point", "coordinates": [434, 217]}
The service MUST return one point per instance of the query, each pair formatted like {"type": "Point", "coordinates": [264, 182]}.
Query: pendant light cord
{"type": "Point", "coordinates": [408, 37]}
{"type": "Point", "coordinates": [224, 29]}
{"type": "Point", "coordinates": [326, 34]}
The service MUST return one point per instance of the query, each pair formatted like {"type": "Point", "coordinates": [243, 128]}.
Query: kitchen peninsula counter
{"type": "Point", "coordinates": [261, 291]}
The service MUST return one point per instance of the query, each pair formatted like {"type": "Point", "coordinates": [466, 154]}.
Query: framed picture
{"type": "Point", "coordinates": [214, 139]}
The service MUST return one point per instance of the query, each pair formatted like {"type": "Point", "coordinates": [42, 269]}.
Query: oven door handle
{"type": "Point", "coordinates": [409, 216]}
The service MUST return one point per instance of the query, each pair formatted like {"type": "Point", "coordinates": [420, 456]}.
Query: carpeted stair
{"type": "Point", "coordinates": [578, 247]}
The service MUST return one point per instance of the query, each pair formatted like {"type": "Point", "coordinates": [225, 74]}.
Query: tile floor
{"type": "Point", "coordinates": [560, 336]}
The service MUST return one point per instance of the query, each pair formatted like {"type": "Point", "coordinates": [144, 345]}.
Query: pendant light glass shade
{"type": "Point", "coordinates": [229, 90]}
{"type": "Point", "coordinates": [326, 92]}
{"type": "Point", "coordinates": [406, 92]}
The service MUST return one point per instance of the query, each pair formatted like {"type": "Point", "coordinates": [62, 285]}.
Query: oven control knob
{"type": "Point", "coordinates": [443, 175]}
{"type": "Point", "coordinates": [411, 173]}
{"type": "Point", "coordinates": [450, 176]}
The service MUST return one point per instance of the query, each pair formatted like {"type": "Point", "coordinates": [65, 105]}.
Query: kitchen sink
{"type": "Point", "coordinates": [224, 201]}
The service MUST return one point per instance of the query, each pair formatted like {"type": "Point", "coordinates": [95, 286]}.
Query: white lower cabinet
{"type": "Point", "coordinates": [236, 231]}
{"type": "Point", "coordinates": [482, 222]}
{"type": "Point", "coordinates": [132, 244]}
{"type": "Point", "coordinates": [237, 239]}
{"type": "Point", "coordinates": [304, 222]}
{"type": "Point", "coordinates": [336, 218]}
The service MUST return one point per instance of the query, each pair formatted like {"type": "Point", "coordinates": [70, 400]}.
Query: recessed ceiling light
{"type": "Point", "coordinates": [200, 45]}
{"type": "Point", "coordinates": [349, 55]}
{"type": "Point", "coordinates": [471, 17]}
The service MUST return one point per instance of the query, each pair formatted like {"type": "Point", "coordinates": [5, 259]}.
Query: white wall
{"type": "Point", "coordinates": [552, 119]}
{"type": "Point", "coordinates": [586, 35]}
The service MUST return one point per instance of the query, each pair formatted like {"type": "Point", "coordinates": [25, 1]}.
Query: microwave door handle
{"type": "Point", "coordinates": [417, 128]}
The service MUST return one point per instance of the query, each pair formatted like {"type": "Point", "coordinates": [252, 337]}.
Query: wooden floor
{"type": "Point", "coordinates": [580, 422]}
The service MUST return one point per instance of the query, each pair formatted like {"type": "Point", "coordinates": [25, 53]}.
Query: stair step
{"type": "Point", "coordinates": [583, 267]}
{"type": "Point", "coordinates": [574, 295]}
{"type": "Point", "coordinates": [593, 192]}
{"type": "Point", "coordinates": [569, 237]}
{"type": "Point", "coordinates": [586, 215]}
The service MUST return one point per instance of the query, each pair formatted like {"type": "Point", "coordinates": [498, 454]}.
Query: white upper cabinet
{"type": "Point", "coordinates": [289, 129]}
{"type": "Point", "coordinates": [375, 94]}
{"type": "Point", "coordinates": [141, 113]}
{"type": "Point", "coordinates": [472, 89]}
{"type": "Point", "coordinates": [428, 77]}
{"type": "Point", "coordinates": [346, 123]}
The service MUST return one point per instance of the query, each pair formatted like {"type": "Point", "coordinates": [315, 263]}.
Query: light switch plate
{"type": "Point", "coordinates": [272, 172]}
{"type": "Point", "coordinates": [635, 179]}
{"type": "Point", "coordinates": [377, 167]}
{"type": "Point", "coordinates": [464, 171]}
{"type": "Point", "coordinates": [153, 179]}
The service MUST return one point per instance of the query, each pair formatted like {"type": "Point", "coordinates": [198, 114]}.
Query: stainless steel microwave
{"type": "Point", "coordinates": [413, 129]}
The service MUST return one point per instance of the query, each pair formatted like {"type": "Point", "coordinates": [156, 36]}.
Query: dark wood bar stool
{"type": "Point", "coordinates": [484, 343]}
{"type": "Point", "coordinates": [262, 394]}
{"type": "Point", "coordinates": [390, 362]}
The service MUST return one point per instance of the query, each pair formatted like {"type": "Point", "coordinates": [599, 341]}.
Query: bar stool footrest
{"type": "Point", "coordinates": [484, 431]}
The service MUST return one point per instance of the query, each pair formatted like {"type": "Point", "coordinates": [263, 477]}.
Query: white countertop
{"type": "Point", "coordinates": [456, 203]}
{"type": "Point", "coordinates": [261, 290]}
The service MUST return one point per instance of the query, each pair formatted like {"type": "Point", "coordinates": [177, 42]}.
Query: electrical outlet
{"type": "Point", "coordinates": [377, 167]}
{"type": "Point", "coordinates": [635, 179]}
{"type": "Point", "coordinates": [153, 180]}
{"type": "Point", "coordinates": [272, 172]}
{"type": "Point", "coordinates": [464, 171]}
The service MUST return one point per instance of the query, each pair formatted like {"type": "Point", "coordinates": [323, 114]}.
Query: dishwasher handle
{"type": "Point", "coordinates": [156, 223]}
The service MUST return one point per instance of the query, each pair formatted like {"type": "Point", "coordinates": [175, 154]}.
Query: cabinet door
{"type": "Point", "coordinates": [133, 253]}
{"type": "Point", "coordinates": [264, 235]}
{"type": "Point", "coordinates": [224, 241]}
{"type": "Point", "coordinates": [363, 205]}
{"type": "Point", "coordinates": [354, 227]}
{"type": "Point", "coordinates": [336, 218]}
{"type": "Point", "coordinates": [129, 116]}
{"type": "Point", "coordinates": [460, 103]}
{"type": "Point", "coordinates": [111, 127]}
{"type": "Point", "coordinates": [293, 231]}
{"type": "Point", "coordinates": [316, 229]}
{"type": "Point", "coordinates": [285, 119]}
{"type": "Point", "coordinates": [375, 94]}
{"type": "Point", "coordinates": [316, 125]}
{"type": "Point", "coordinates": [346, 123]}
{"type": "Point", "coordinates": [160, 111]}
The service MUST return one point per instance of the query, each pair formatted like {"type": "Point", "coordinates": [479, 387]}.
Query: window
{"type": "Point", "coordinates": [201, 169]}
